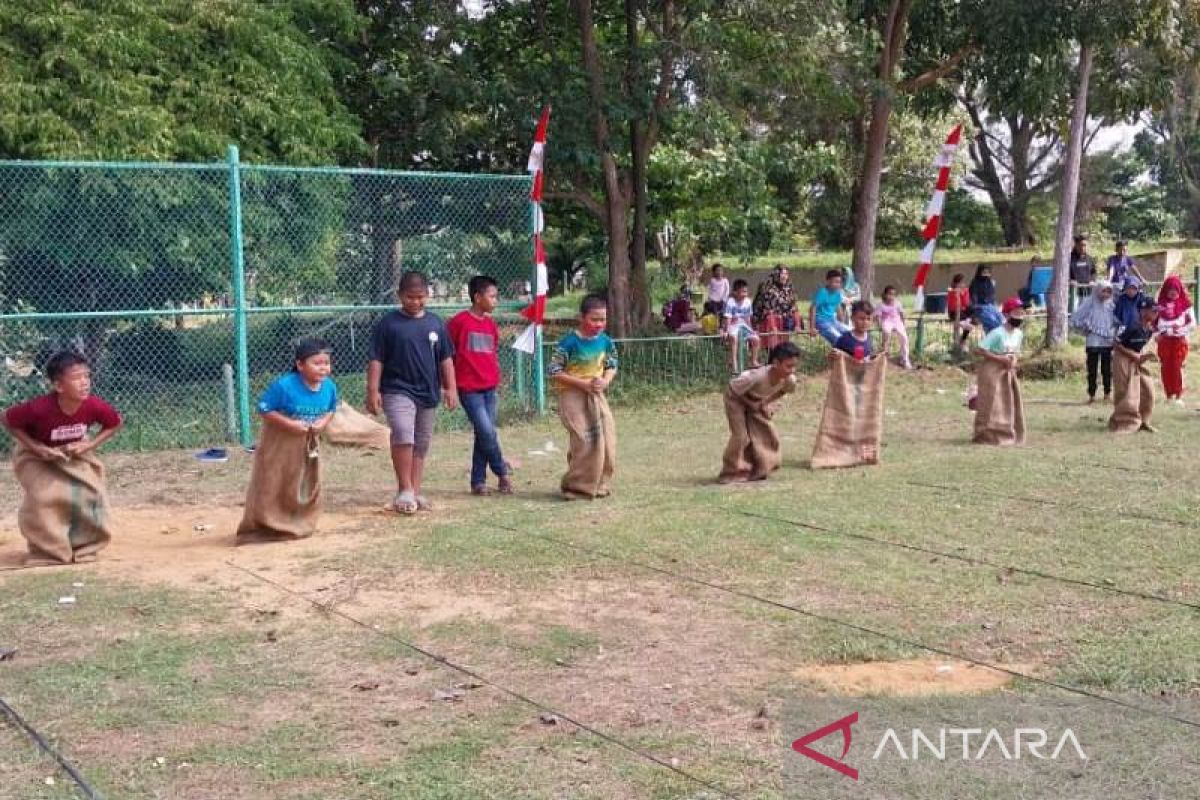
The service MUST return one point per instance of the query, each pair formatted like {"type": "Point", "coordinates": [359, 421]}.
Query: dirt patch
{"type": "Point", "coordinates": [913, 678]}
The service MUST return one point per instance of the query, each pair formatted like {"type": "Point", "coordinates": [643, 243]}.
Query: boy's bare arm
{"type": "Point", "coordinates": [449, 384]}
{"type": "Point", "coordinates": [374, 376]}
{"type": "Point", "coordinates": [42, 451]}
{"type": "Point", "coordinates": [284, 422]}
{"type": "Point", "coordinates": [78, 448]}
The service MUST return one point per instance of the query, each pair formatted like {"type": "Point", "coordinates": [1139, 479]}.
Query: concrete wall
{"type": "Point", "coordinates": [1009, 275]}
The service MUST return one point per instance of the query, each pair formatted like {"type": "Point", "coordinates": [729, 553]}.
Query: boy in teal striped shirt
{"type": "Point", "coordinates": [582, 367]}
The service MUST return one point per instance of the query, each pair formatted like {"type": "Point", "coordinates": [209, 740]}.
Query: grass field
{"type": "Point", "coordinates": [187, 668]}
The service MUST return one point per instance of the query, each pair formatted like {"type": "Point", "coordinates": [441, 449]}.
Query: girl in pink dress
{"type": "Point", "coordinates": [891, 322]}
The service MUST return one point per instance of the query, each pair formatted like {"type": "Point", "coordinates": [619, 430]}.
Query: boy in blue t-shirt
{"type": "Point", "coordinates": [826, 315]}
{"type": "Point", "coordinates": [410, 368]}
{"type": "Point", "coordinates": [283, 500]}
{"type": "Point", "coordinates": [856, 342]}
{"type": "Point", "coordinates": [583, 365]}
{"type": "Point", "coordinates": [305, 398]}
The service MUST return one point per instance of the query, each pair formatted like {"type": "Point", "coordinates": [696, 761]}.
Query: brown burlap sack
{"type": "Point", "coordinates": [353, 429]}
{"type": "Point", "coordinates": [283, 500]}
{"type": "Point", "coordinates": [592, 453]}
{"type": "Point", "coordinates": [1133, 395]}
{"type": "Point", "coordinates": [753, 450]}
{"type": "Point", "coordinates": [64, 514]}
{"type": "Point", "coordinates": [852, 420]}
{"type": "Point", "coordinates": [999, 411]}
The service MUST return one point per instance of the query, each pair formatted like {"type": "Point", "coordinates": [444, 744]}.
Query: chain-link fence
{"type": "Point", "coordinates": [186, 285]}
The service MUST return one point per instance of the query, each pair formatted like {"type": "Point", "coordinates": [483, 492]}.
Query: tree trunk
{"type": "Point", "coordinates": [639, 150]}
{"type": "Point", "coordinates": [639, 290]}
{"type": "Point", "coordinates": [1056, 325]}
{"type": "Point", "coordinates": [866, 201]}
{"type": "Point", "coordinates": [616, 203]}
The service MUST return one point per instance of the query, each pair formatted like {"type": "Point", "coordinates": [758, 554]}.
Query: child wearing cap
{"type": "Point", "coordinates": [1000, 413]}
{"type": "Point", "coordinates": [1133, 401]}
{"type": "Point", "coordinates": [283, 500]}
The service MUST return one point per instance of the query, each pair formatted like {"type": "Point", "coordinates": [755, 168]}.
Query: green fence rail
{"type": "Point", "coordinates": [176, 280]}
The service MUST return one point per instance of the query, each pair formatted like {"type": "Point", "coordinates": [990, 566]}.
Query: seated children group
{"type": "Point", "coordinates": [417, 362]}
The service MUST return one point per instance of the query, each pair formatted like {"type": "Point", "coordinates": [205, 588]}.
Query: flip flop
{"type": "Point", "coordinates": [405, 503]}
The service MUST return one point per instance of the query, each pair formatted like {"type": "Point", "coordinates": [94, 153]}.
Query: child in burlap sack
{"type": "Point", "coordinates": [999, 410]}
{"type": "Point", "coordinates": [1133, 395]}
{"type": "Point", "coordinates": [64, 513]}
{"type": "Point", "coordinates": [582, 367]}
{"type": "Point", "coordinates": [751, 400]}
{"type": "Point", "coordinates": [283, 500]}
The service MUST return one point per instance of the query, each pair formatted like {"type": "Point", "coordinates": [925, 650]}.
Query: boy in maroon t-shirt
{"type": "Point", "coordinates": [64, 513]}
{"type": "Point", "coordinates": [476, 341]}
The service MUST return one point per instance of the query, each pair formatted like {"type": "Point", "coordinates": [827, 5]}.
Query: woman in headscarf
{"type": "Point", "coordinates": [775, 313]}
{"type": "Point", "coordinates": [1175, 323]}
{"type": "Point", "coordinates": [1094, 319]}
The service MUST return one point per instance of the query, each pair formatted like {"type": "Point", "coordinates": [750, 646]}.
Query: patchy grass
{"type": "Point", "coordinates": [223, 687]}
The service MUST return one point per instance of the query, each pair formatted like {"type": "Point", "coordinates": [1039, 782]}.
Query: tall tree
{"type": "Point", "coordinates": [1122, 38]}
{"type": "Point", "coordinates": [904, 65]}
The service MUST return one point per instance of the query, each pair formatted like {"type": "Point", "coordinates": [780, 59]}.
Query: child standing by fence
{"type": "Point", "coordinates": [283, 500]}
{"type": "Point", "coordinates": [891, 323]}
{"type": "Point", "coordinates": [1175, 323]}
{"type": "Point", "coordinates": [582, 367]}
{"type": "Point", "coordinates": [736, 324]}
{"type": "Point", "coordinates": [750, 399]}
{"type": "Point", "coordinates": [476, 341]}
{"type": "Point", "coordinates": [410, 369]}
{"type": "Point", "coordinates": [64, 513]}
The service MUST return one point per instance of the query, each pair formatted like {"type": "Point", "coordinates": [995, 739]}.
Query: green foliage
{"type": "Point", "coordinates": [173, 80]}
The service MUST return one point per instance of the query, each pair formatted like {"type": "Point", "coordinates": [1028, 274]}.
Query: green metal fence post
{"type": "Point", "coordinates": [238, 264]}
{"type": "Point", "coordinates": [919, 345]}
{"type": "Point", "coordinates": [519, 369]}
{"type": "Point", "coordinates": [539, 373]}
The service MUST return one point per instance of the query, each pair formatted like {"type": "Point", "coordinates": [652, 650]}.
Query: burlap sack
{"type": "Point", "coordinates": [852, 420]}
{"type": "Point", "coordinates": [283, 500]}
{"type": "Point", "coordinates": [353, 429]}
{"type": "Point", "coordinates": [999, 411]}
{"type": "Point", "coordinates": [592, 453]}
{"type": "Point", "coordinates": [1133, 395]}
{"type": "Point", "coordinates": [753, 450]}
{"type": "Point", "coordinates": [64, 514]}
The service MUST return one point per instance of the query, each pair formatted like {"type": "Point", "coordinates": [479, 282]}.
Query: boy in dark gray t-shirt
{"type": "Point", "coordinates": [410, 369]}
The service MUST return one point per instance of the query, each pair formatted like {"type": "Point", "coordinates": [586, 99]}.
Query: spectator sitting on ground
{"type": "Point", "coordinates": [678, 314]}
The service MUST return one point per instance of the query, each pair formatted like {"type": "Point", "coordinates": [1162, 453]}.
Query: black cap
{"type": "Point", "coordinates": [1081, 237]}
{"type": "Point", "coordinates": [1144, 302]}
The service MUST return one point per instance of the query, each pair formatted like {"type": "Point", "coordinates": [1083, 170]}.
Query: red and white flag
{"type": "Point", "coordinates": [933, 214]}
{"type": "Point", "coordinates": [535, 312]}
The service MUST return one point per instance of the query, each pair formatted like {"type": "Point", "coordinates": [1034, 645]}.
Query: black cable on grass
{"type": "Point", "coordinates": [1047, 576]}
{"type": "Point", "coordinates": [859, 628]}
{"type": "Point", "coordinates": [18, 721]}
{"type": "Point", "coordinates": [1047, 502]}
{"type": "Point", "coordinates": [445, 662]}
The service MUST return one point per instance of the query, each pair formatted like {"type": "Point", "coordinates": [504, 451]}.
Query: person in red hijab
{"type": "Point", "coordinates": [1176, 320]}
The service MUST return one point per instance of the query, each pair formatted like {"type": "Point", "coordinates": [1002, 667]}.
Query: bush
{"type": "Point", "coordinates": [1052, 364]}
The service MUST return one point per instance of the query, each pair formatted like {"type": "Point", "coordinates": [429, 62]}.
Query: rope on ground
{"type": "Point", "coordinates": [911, 643]}
{"type": "Point", "coordinates": [19, 722]}
{"type": "Point", "coordinates": [973, 561]}
{"type": "Point", "coordinates": [1047, 502]}
{"type": "Point", "coordinates": [445, 662]}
